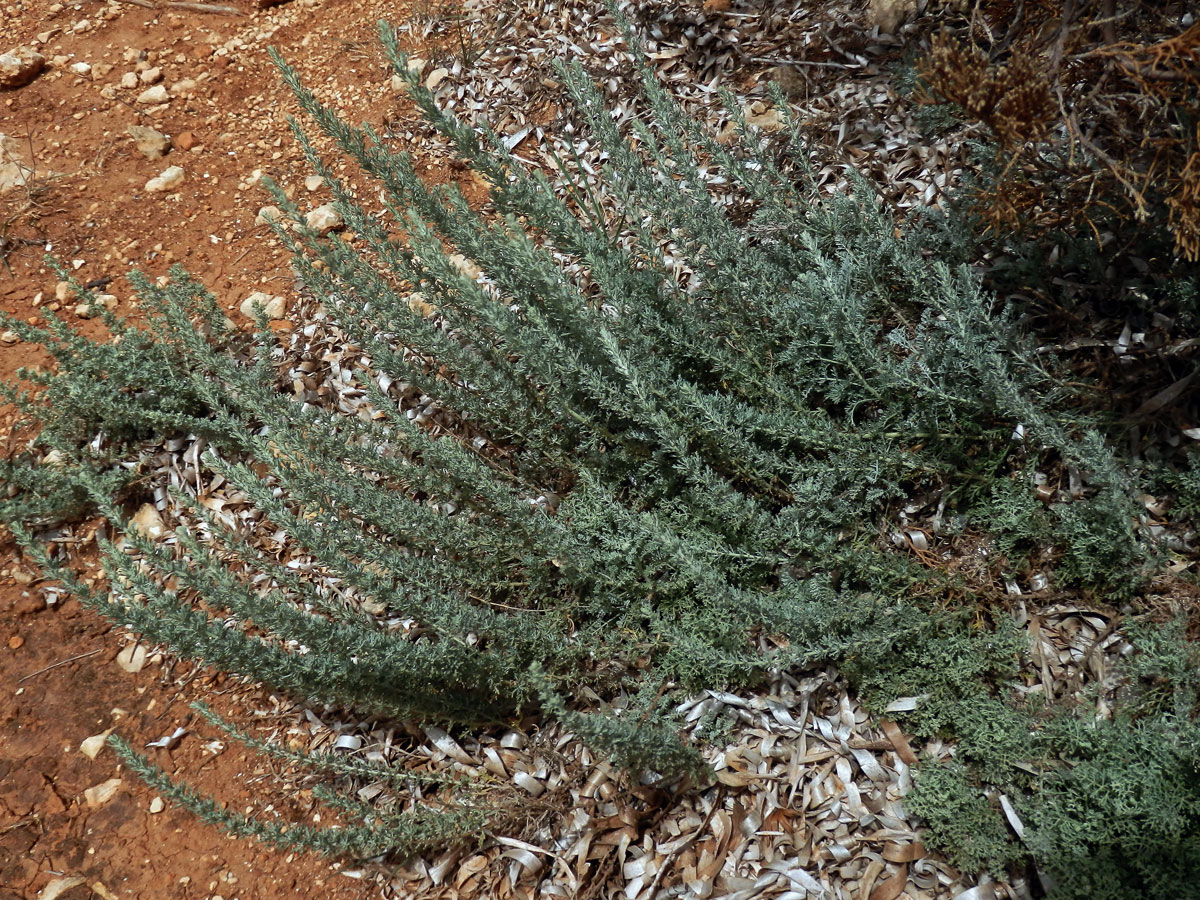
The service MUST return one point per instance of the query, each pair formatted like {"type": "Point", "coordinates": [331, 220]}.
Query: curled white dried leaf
{"type": "Point", "coordinates": [528, 783]}
{"type": "Point", "coordinates": [439, 870]}
{"type": "Point", "coordinates": [802, 880]}
{"type": "Point", "coordinates": [168, 741]}
{"type": "Point", "coordinates": [729, 699]}
{"type": "Point", "coordinates": [979, 892]}
{"type": "Point", "coordinates": [448, 745]}
{"type": "Point", "coordinates": [527, 860]}
{"type": "Point", "coordinates": [1013, 819]}
{"type": "Point", "coordinates": [783, 716]}
{"type": "Point", "coordinates": [493, 763]}
{"type": "Point", "coordinates": [514, 740]}
{"type": "Point", "coordinates": [870, 765]}
{"type": "Point", "coordinates": [905, 704]}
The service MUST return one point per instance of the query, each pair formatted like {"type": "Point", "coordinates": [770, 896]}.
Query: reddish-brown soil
{"type": "Point", "coordinates": [87, 202]}
{"type": "Point", "coordinates": [49, 832]}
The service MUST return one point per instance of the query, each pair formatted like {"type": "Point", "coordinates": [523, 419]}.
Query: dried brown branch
{"type": "Point", "coordinates": [203, 7]}
{"type": "Point", "coordinates": [1089, 104]}
{"type": "Point", "coordinates": [184, 4]}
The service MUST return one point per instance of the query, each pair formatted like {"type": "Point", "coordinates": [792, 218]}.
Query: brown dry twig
{"type": "Point", "coordinates": [1013, 99]}
{"type": "Point", "coordinates": [28, 208]}
{"type": "Point", "coordinates": [184, 4]}
{"type": "Point", "coordinates": [1122, 69]}
{"type": "Point", "coordinates": [683, 845]}
{"type": "Point", "coordinates": [61, 662]}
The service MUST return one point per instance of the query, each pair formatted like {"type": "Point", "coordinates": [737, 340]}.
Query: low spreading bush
{"type": "Point", "coordinates": [630, 475]}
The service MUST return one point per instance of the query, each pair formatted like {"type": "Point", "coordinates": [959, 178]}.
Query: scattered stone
{"type": "Point", "coordinates": [20, 66]}
{"type": "Point", "coordinates": [80, 68]}
{"type": "Point", "coordinates": [186, 140]}
{"type": "Point", "coordinates": [56, 887]}
{"type": "Point", "coordinates": [324, 219]}
{"type": "Point", "coordinates": [151, 144]}
{"type": "Point", "coordinates": [91, 310]}
{"type": "Point", "coordinates": [102, 793]}
{"type": "Point", "coordinates": [466, 266]}
{"type": "Point", "coordinates": [790, 81]}
{"type": "Point", "coordinates": [154, 95]}
{"type": "Point", "coordinates": [129, 80]}
{"type": "Point", "coordinates": [16, 642]}
{"type": "Point", "coordinates": [889, 15]}
{"type": "Point", "coordinates": [132, 658]}
{"type": "Point", "coordinates": [436, 77]}
{"type": "Point", "coordinates": [10, 337]}
{"type": "Point", "coordinates": [184, 86]}
{"type": "Point", "coordinates": [274, 307]}
{"type": "Point", "coordinates": [170, 179]}
{"type": "Point", "coordinates": [91, 746]}
{"type": "Point", "coordinates": [769, 120]}
{"type": "Point", "coordinates": [153, 75]}
{"type": "Point", "coordinates": [81, 26]}
{"type": "Point", "coordinates": [267, 215]}
{"type": "Point", "coordinates": [147, 522]}
{"type": "Point", "coordinates": [419, 304]}
{"type": "Point", "coordinates": [14, 170]}
{"type": "Point", "coordinates": [415, 66]}
{"type": "Point", "coordinates": [63, 291]}
{"type": "Point", "coordinates": [313, 183]}
{"type": "Point", "coordinates": [157, 806]}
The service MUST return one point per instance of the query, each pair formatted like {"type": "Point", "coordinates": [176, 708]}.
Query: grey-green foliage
{"type": "Point", "coordinates": [719, 449]}
{"type": "Point", "coordinates": [961, 819]}
{"type": "Point", "coordinates": [1110, 807]}
{"type": "Point", "coordinates": [106, 394]}
{"type": "Point", "coordinates": [374, 832]}
{"type": "Point", "coordinates": [1183, 484]}
{"type": "Point", "coordinates": [1122, 817]}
